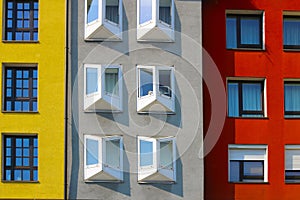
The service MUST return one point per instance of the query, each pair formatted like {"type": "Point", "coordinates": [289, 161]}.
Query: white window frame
{"type": "Point", "coordinates": [114, 29]}
{"type": "Point", "coordinates": [155, 23]}
{"type": "Point", "coordinates": [101, 166]}
{"type": "Point", "coordinates": [292, 160]}
{"type": "Point", "coordinates": [116, 101]}
{"type": "Point", "coordinates": [147, 171]}
{"type": "Point", "coordinates": [156, 96]}
{"type": "Point", "coordinates": [243, 157]}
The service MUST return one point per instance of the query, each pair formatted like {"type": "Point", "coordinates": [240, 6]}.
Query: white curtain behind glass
{"type": "Point", "coordinates": [291, 28]}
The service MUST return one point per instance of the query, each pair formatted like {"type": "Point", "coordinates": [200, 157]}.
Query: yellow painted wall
{"type": "Point", "coordinates": [48, 123]}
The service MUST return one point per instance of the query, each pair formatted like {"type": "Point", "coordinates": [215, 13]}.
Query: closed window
{"type": "Point", "coordinates": [103, 158]}
{"type": "Point", "coordinates": [291, 32]}
{"type": "Point", "coordinates": [247, 163]}
{"type": "Point", "coordinates": [21, 89]}
{"type": "Point", "coordinates": [291, 99]}
{"type": "Point", "coordinates": [292, 163]}
{"type": "Point", "coordinates": [245, 98]}
{"type": "Point", "coordinates": [156, 159]}
{"type": "Point", "coordinates": [243, 31]}
{"type": "Point", "coordinates": [20, 158]}
{"type": "Point", "coordinates": [21, 23]}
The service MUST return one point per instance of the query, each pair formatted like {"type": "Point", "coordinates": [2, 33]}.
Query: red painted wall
{"type": "Point", "coordinates": [275, 65]}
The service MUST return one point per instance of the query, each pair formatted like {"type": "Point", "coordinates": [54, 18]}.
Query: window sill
{"type": "Point", "coordinates": [20, 41]}
{"type": "Point", "coordinates": [245, 49]}
{"type": "Point", "coordinates": [249, 182]}
{"type": "Point", "coordinates": [21, 182]}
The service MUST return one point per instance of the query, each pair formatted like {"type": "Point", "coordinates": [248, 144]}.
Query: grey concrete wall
{"type": "Point", "coordinates": [186, 124]}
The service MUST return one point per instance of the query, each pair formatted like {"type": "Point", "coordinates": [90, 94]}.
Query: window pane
{"type": "Point", "coordinates": [233, 99]}
{"type": "Point", "coordinates": [146, 82]}
{"type": "Point", "coordinates": [165, 82]}
{"type": "Point", "coordinates": [19, 142]}
{"type": "Point", "coordinates": [26, 175]}
{"type": "Point", "coordinates": [17, 175]}
{"type": "Point", "coordinates": [292, 175]}
{"type": "Point", "coordinates": [145, 11]}
{"type": "Point", "coordinates": [112, 11]}
{"type": "Point", "coordinates": [92, 10]}
{"type": "Point", "coordinates": [7, 175]}
{"type": "Point", "coordinates": [113, 153]}
{"type": "Point", "coordinates": [291, 98]}
{"type": "Point", "coordinates": [35, 175]}
{"type": "Point", "coordinates": [91, 80]}
{"type": "Point", "coordinates": [111, 81]}
{"type": "Point", "coordinates": [234, 171]}
{"type": "Point", "coordinates": [165, 11]}
{"type": "Point", "coordinates": [250, 30]}
{"type": "Point", "coordinates": [166, 155]}
{"type": "Point", "coordinates": [92, 152]}
{"type": "Point", "coordinates": [231, 37]}
{"type": "Point", "coordinates": [291, 31]}
{"type": "Point", "coordinates": [252, 99]}
{"type": "Point", "coordinates": [8, 161]}
{"type": "Point", "coordinates": [253, 168]}
{"type": "Point", "coordinates": [146, 153]}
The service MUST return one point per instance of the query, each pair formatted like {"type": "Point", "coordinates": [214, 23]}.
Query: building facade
{"type": "Point", "coordinates": [255, 45]}
{"type": "Point", "coordinates": [32, 99]}
{"type": "Point", "coordinates": [136, 100]}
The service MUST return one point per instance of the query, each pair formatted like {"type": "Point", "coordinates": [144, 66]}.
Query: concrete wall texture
{"type": "Point", "coordinates": [185, 54]}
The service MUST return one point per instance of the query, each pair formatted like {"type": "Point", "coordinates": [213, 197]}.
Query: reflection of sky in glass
{"type": "Point", "coordinates": [146, 153]}
{"type": "Point", "coordinates": [91, 152]}
{"type": "Point", "coordinates": [91, 80]}
{"type": "Point", "coordinates": [113, 153]}
{"type": "Point", "coordinates": [92, 10]}
{"type": "Point", "coordinates": [145, 11]}
{"type": "Point", "coordinates": [146, 82]}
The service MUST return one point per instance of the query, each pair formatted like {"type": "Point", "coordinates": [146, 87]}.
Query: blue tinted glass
{"type": "Point", "coordinates": [19, 93]}
{"type": "Point", "coordinates": [8, 151]}
{"type": "Point", "coordinates": [233, 99]}
{"type": "Point", "coordinates": [36, 5]}
{"type": "Point", "coordinates": [18, 151]}
{"type": "Point", "coordinates": [36, 14]}
{"type": "Point", "coordinates": [25, 73]}
{"type": "Point", "coordinates": [8, 161]}
{"type": "Point", "coordinates": [35, 152]}
{"type": "Point", "coordinates": [35, 162]}
{"type": "Point", "coordinates": [34, 105]}
{"type": "Point", "coordinates": [26, 14]}
{"type": "Point", "coordinates": [26, 152]}
{"type": "Point", "coordinates": [18, 106]}
{"type": "Point", "coordinates": [35, 83]}
{"type": "Point", "coordinates": [19, 83]}
{"type": "Point", "coordinates": [35, 24]}
{"type": "Point", "coordinates": [26, 35]}
{"type": "Point", "coordinates": [9, 35]}
{"type": "Point", "coordinates": [9, 73]}
{"type": "Point", "coordinates": [35, 36]}
{"type": "Point", "coordinates": [35, 74]}
{"type": "Point", "coordinates": [19, 73]}
{"type": "Point", "coordinates": [8, 92]}
{"type": "Point", "coordinates": [8, 142]}
{"type": "Point", "coordinates": [19, 14]}
{"type": "Point", "coordinates": [8, 83]}
{"type": "Point", "coordinates": [145, 11]}
{"type": "Point", "coordinates": [146, 82]}
{"type": "Point", "coordinates": [234, 171]}
{"type": "Point", "coordinates": [26, 106]}
{"type": "Point", "coordinates": [9, 23]}
{"type": "Point", "coordinates": [35, 142]}
{"type": "Point", "coordinates": [8, 175]}
{"type": "Point", "coordinates": [8, 106]}
{"type": "Point", "coordinates": [25, 161]}
{"type": "Point", "coordinates": [291, 97]}
{"type": "Point", "coordinates": [26, 6]}
{"type": "Point", "coordinates": [146, 153]}
{"type": "Point", "coordinates": [20, 24]}
{"type": "Point", "coordinates": [34, 91]}
{"type": "Point", "coordinates": [9, 5]}
{"type": "Point", "coordinates": [26, 25]}
{"type": "Point", "coordinates": [20, 5]}
{"type": "Point", "coordinates": [26, 142]}
{"type": "Point", "coordinates": [250, 30]}
{"type": "Point", "coordinates": [18, 142]}
{"type": "Point", "coordinates": [18, 162]}
{"type": "Point", "coordinates": [18, 175]}
{"type": "Point", "coordinates": [35, 175]}
{"type": "Point", "coordinates": [19, 36]}
{"type": "Point", "coordinates": [25, 93]}
{"type": "Point", "coordinates": [231, 37]}
{"type": "Point", "coordinates": [26, 175]}
{"type": "Point", "coordinates": [252, 99]}
{"type": "Point", "coordinates": [92, 152]}
{"type": "Point", "coordinates": [91, 80]}
{"type": "Point", "coordinates": [25, 84]}
{"type": "Point", "coordinates": [291, 31]}
{"type": "Point", "coordinates": [9, 13]}
{"type": "Point", "coordinates": [92, 10]}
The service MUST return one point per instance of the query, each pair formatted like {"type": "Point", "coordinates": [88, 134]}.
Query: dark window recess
{"type": "Point", "coordinates": [21, 20]}
{"type": "Point", "coordinates": [246, 171]}
{"type": "Point", "coordinates": [20, 89]}
{"type": "Point", "coordinates": [292, 176]}
{"type": "Point", "coordinates": [243, 31]}
{"type": "Point", "coordinates": [20, 158]}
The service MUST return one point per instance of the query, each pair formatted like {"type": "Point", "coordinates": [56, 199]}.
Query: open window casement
{"type": "Point", "coordinates": [155, 20]}
{"type": "Point", "coordinates": [156, 160]}
{"type": "Point", "coordinates": [103, 88]}
{"type": "Point", "coordinates": [103, 158]}
{"type": "Point", "coordinates": [103, 20]}
{"type": "Point", "coordinates": [156, 90]}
